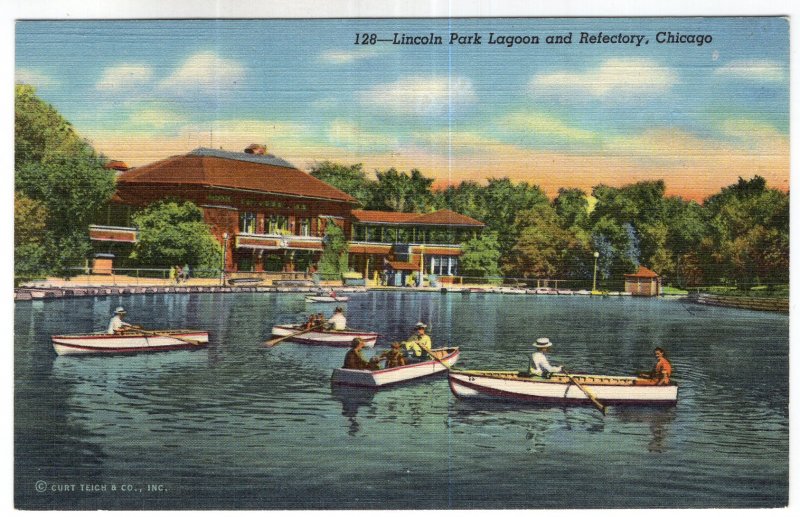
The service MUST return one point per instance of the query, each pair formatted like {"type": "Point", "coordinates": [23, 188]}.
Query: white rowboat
{"type": "Point", "coordinates": [325, 337]}
{"type": "Point", "coordinates": [387, 376]}
{"type": "Point", "coordinates": [608, 389]}
{"type": "Point", "coordinates": [130, 342]}
{"type": "Point", "coordinates": [326, 299]}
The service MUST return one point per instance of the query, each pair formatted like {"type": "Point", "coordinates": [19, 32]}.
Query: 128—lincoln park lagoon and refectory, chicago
{"type": "Point", "coordinates": [383, 276]}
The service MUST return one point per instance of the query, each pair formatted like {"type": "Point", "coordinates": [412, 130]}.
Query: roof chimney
{"type": "Point", "coordinates": [256, 149]}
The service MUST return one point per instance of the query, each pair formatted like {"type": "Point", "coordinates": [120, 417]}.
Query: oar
{"type": "Point", "coordinates": [185, 340]}
{"type": "Point", "coordinates": [273, 342]}
{"type": "Point", "coordinates": [588, 393]}
{"type": "Point", "coordinates": [430, 353]}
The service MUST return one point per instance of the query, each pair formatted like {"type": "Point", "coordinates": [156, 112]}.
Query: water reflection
{"type": "Point", "coordinates": [658, 421]}
{"type": "Point", "coordinates": [352, 399]}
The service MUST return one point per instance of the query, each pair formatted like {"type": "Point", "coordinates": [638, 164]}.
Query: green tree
{"type": "Point", "coordinates": [174, 233]}
{"type": "Point", "coordinates": [572, 206]}
{"type": "Point", "coordinates": [333, 260]}
{"type": "Point", "coordinates": [348, 178]}
{"type": "Point", "coordinates": [481, 256]}
{"type": "Point", "coordinates": [402, 192]}
{"type": "Point", "coordinates": [546, 250]}
{"type": "Point", "coordinates": [30, 247]}
{"type": "Point", "coordinates": [41, 134]}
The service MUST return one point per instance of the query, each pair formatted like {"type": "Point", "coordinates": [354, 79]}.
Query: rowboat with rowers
{"type": "Point", "coordinates": [296, 333]}
{"type": "Point", "coordinates": [131, 342]}
{"type": "Point", "coordinates": [445, 357]}
{"type": "Point", "coordinates": [560, 388]}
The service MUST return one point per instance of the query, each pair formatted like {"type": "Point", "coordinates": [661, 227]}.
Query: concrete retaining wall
{"type": "Point", "coordinates": [741, 302]}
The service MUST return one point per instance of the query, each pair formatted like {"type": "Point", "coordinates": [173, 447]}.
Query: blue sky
{"type": "Point", "coordinates": [554, 115]}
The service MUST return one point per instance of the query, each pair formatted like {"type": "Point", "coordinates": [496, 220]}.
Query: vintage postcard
{"type": "Point", "coordinates": [381, 263]}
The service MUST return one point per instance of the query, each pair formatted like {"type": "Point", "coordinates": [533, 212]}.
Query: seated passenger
{"type": "Point", "coordinates": [418, 345]}
{"type": "Point", "coordinates": [394, 356]}
{"type": "Point", "coordinates": [338, 320]}
{"type": "Point", "coordinates": [354, 360]}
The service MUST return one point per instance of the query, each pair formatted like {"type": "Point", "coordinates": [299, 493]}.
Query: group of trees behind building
{"type": "Point", "coordinates": [739, 236]}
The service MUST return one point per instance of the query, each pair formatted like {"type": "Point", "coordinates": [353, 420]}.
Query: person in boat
{"type": "Point", "coordinates": [338, 320]}
{"type": "Point", "coordinates": [308, 325]}
{"type": "Point", "coordinates": [116, 325]}
{"type": "Point", "coordinates": [394, 356]}
{"type": "Point", "coordinates": [539, 365]}
{"type": "Point", "coordinates": [417, 346]}
{"type": "Point", "coordinates": [355, 360]}
{"type": "Point", "coordinates": [662, 370]}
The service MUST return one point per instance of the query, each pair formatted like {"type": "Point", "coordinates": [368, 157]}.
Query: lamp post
{"type": "Point", "coordinates": [224, 256]}
{"type": "Point", "coordinates": [594, 275]}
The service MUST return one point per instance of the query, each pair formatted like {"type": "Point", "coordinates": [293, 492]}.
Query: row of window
{"type": "Point", "coordinates": [276, 225]}
{"type": "Point", "coordinates": [424, 235]}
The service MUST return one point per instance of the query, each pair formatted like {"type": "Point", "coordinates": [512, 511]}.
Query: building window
{"type": "Point", "coordinates": [247, 222]}
{"type": "Point", "coordinates": [304, 226]}
{"type": "Point", "coordinates": [278, 224]}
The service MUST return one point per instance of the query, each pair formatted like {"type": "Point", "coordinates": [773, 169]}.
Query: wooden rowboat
{"type": "Point", "coordinates": [387, 376]}
{"type": "Point", "coordinates": [129, 342]}
{"type": "Point", "coordinates": [325, 337]}
{"type": "Point", "coordinates": [509, 385]}
{"type": "Point", "coordinates": [326, 299]}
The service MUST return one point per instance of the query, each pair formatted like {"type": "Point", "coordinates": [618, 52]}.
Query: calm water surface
{"type": "Point", "coordinates": [239, 426]}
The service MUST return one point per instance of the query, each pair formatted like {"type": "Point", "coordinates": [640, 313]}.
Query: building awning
{"type": "Point", "coordinates": [402, 266]}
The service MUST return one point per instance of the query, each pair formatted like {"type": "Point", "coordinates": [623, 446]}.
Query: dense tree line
{"type": "Point", "coordinates": [739, 236]}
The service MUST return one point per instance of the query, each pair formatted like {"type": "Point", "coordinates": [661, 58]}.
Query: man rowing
{"type": "Point", "coordinates": [539, 365]}
{"type": "Point", "coordinates": [116, 325]}
{"type": "Point", "coordinates": [418, 345]}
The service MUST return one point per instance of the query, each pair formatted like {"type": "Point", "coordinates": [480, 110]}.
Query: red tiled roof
{"type": "Point", "coordinates": [644, 273]}
{"type": "Point", "coordinates": [116, 165]}
{"type": "Point", "coordinates": [232, 173]}
{"type": "Point", "coordinates": [440, 217]}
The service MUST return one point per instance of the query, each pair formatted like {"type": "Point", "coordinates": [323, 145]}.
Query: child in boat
{"type": "Point", "coordinates": [394, 356]}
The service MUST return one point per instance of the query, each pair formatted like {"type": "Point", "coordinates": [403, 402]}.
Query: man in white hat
{"type": "Point", "coordinates": [539, 365]}
{"type": "Point", "coordinates": [116, 325]}
{"type": "Point", "coordinates": [418, 344]}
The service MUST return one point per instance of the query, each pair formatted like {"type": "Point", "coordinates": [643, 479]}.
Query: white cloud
{"type": "Point", "coordinates": [126, 76]}
{"type": "Point", "coordinates": [422, 96]}
{"type": "Point", "coordinates": [346, 134]}
{"type": "Point", "coordinates": [343, 57]}
{"type": "Point", "coordinates": [615, 77]}
{"type": "Point", "coordinates": [205, 73]}
{"type": "Point", "coordinates": [34, 78]}
{"type": "Point", "coordinates": [753, 69]}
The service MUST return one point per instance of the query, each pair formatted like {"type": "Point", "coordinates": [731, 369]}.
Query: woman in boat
{"type": "Point", "coordinates": [354, 359]}
{"type": "Point", "coordinates": [338, 320]}
{"type": "Point", "coordinates": [661, 371]}
{"type": "Point", "coordinates": [539, 365]}
{"type": "Point", "coordinates": [418, 345]}
{"type": "Point", "coordinates": [116, 325]}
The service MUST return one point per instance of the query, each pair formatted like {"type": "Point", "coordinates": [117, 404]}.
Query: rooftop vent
{"type": "Point", "coordinates": [256, 149]}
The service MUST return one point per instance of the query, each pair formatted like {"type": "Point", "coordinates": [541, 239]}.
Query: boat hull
{"type": "Point", "coordinates": [341, 338]}
{"type": "Point", "coordinates": [559, 389]}
{"type": "Point", "coordinates": [389, 376]}
{"type": "Point", "coordinates": [326, 299]}
{"type": "Point", "coordinates": [94, 344]}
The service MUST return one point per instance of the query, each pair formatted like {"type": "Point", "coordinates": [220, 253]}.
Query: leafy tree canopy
{"type": "Point", "coordinates": [348, 178]}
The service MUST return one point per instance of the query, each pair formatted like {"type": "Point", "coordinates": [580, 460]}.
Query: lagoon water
{"type": "Point", "coordinates": [239, 426]}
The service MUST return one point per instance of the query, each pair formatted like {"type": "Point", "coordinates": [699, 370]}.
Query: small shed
{"type": "Point", "coordinates": [644, 282]}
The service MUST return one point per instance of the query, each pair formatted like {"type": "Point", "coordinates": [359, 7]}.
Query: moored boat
{"type": "Point", "coordinates": [387, 376]}
{"type": "Point", "coordinates": [326, 299]}
{"type": "Point", "coordinates": [129, 342]}
{"type": "Point", "coordinates": [510, 385]}
{"type": "Point", "coordinates": [325, 337]}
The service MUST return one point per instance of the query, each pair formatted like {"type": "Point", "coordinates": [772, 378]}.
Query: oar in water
{"type": "Point", "coordinates": [586, 392]}
{"type": "Point", "coordinates": [275, 341]}
{"type": "Point", "coordinates": [430, 353]}
{"type": "Point", "coordinates": [185, 340]}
